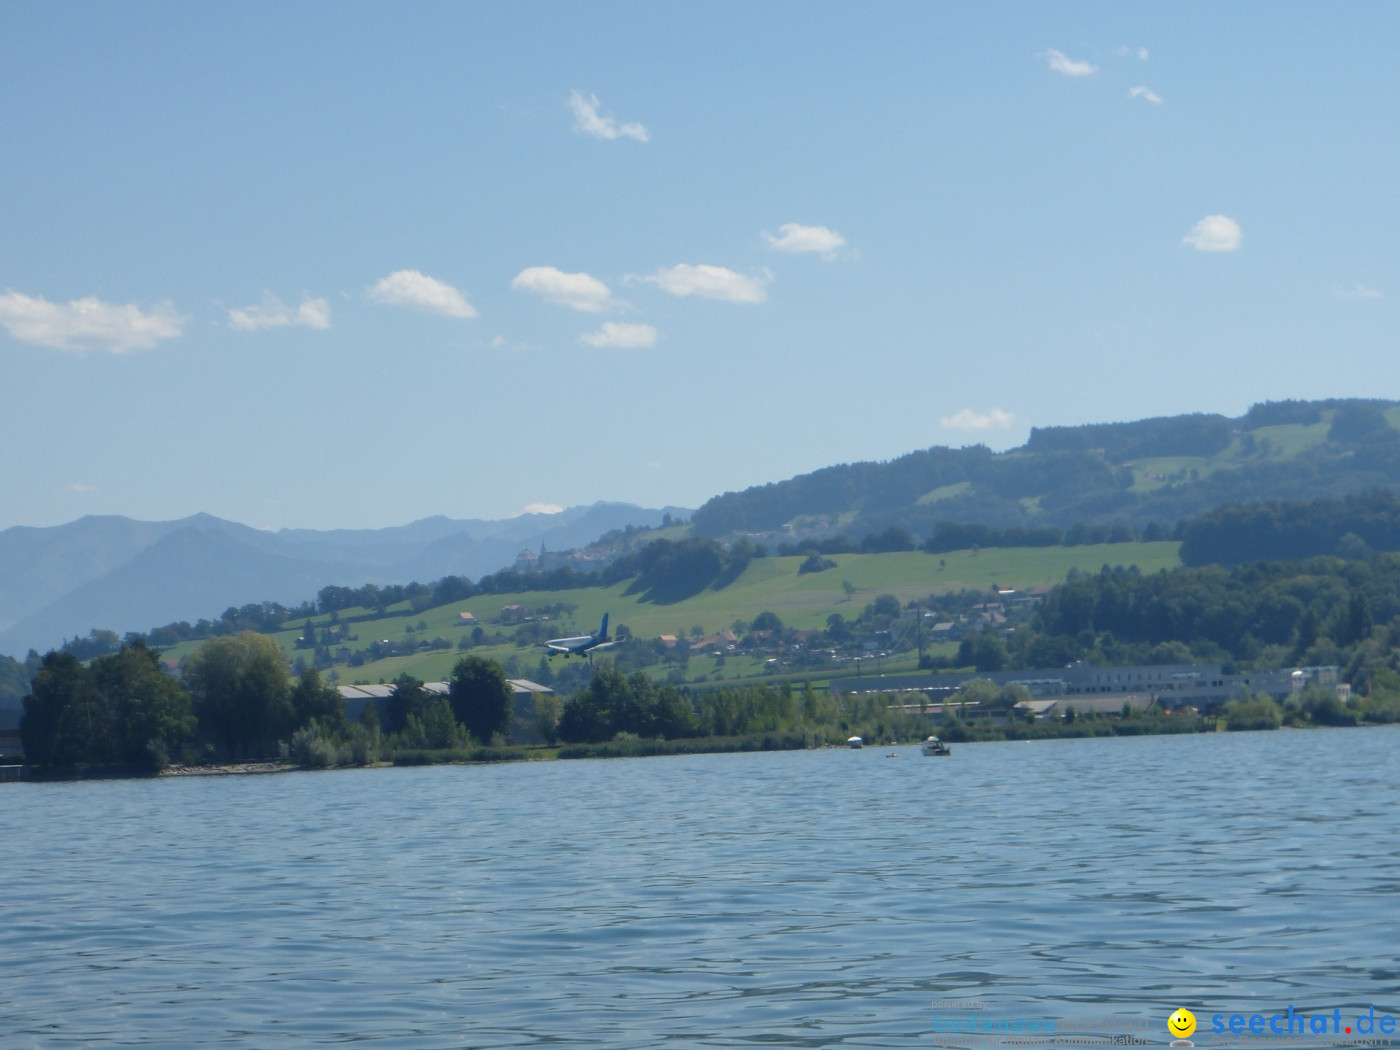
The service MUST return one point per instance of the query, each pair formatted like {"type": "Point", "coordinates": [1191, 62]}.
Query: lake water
{"type": "Point", "coordinates": [812, 899]}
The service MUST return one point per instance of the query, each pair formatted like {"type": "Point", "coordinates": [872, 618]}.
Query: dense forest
{"type": "Point", "coordinates": [1262, 616]}
{"type": "Point", "coordinates": [1275, 530]}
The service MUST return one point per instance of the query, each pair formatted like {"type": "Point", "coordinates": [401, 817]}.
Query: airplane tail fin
{"type": "Point", "coordinates": [603, 631]}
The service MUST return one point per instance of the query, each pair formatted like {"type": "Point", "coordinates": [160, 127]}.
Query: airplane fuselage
{"type": "Point", "coordinates": [580, 644]}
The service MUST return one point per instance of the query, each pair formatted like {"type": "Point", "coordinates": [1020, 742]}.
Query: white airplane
{"type": "Point", "coordinates": [582, 644]}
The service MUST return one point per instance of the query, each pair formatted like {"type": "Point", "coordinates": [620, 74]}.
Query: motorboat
{"type": "Point", "coordinates": [855, 743]}
{"type": "Point", "coordinates": [934, 746]}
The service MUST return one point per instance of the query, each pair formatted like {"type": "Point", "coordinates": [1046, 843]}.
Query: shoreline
{"type": "Point", "coordinates": [230, 769]}
{"type": "Point", "coordinates": [610, 749]}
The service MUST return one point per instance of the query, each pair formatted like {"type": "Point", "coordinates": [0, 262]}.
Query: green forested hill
{"type": "Point", "coordinates": [1152, 470]}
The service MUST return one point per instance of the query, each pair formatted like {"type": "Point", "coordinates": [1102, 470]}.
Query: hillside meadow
{"type": "Point", "coordinates": [768, 584]}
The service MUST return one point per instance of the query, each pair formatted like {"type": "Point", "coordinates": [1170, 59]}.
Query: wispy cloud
{"type": "Point", "coordinates": [970, 420]}
{"type": "Point", "coordinates": [542, 508]}
{"type": "Point", "coordinates": [622, 336]}
{"type": "Point", "coordinates": [588, 122]}
{"type": "Point", "coordinates": [580, 291]}
{"type": "Point", "coordinates": [421, 292]}
{"type": "Point", "coordinates": [794, 237]}
{"type": "Point", "coordinates": [1215, 233]}
{"type": "Point", "coordinates": [273, 313]}
{"type": "Point", "coordinates": [1145, 93]}
{"type": "Point", "coordinates": [1360, 291]}
{"type": "Point", "coordinates": [79, 487]}
{"type": "Point", "coordinates": [1140, 52]}
{"type": "Point", "coordinates": [712, 282]}
{"type": "Point", "coordinates": [1070, 67]}
{"type": "Point", "coordinates": [86, 324]}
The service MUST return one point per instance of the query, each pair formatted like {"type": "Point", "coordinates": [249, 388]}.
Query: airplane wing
{"type": "Point", "coordinates": [601, 645]}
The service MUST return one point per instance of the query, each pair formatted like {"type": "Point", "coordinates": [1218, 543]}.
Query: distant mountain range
{"type": "Point", "coordinates": [125, 575]}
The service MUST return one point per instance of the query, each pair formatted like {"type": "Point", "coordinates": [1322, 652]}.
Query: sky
{"type": "Point", "coordinates": [340, 265]}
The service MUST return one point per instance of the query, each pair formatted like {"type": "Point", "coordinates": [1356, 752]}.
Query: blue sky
{"type": "Point", "coordinates": [348, 265]}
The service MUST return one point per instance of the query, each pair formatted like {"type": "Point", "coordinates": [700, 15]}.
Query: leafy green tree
{"type": "Point", "coordinates": [837, 629]}
{"type": "Point", "coordinates": [122, 709]}
{"type": "Point", "coordinates": [547, 711]}
{"type": "Point", "coordinates": [482, 698]}
{"type": "Point", "coordinates": [434, 727]}
{"type": "Point", "coordinates": [312, 700]}
{"type": "Point", "coordinates": [883, 609]}
{"type": "Point", "coordinates": [409, 698]}
{"type": "Point", "coordinates": [980, 691]}
{"type": "Point", "coordinates": [984, 650]}
{"type": "Point", "coordinates": [241, 693]}
{"type": "Point", "coordinates": [66, 721]}
{"type": "Point", "coordinates": [767, 621]}
{"type": "Point", "coordinates": [1250, 712]}
{"type": "Point", "coordinates": [675, 716]}
{"type": "Point", "coordinates": [150, 710]}
{"type": "Point", "coordinates": [586, 718]}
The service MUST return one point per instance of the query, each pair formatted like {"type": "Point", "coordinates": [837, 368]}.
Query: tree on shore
{"type": "Point", "coordinates": [120, 710]}
{"type": "Point", "coordinates": [241, 693]}
{"type": "Point", "coordinates": [482, 699]}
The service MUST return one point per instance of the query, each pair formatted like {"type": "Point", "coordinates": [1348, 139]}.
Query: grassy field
{"type": "Point", "coordinates": [940, 494]}
{"type": "Point", "coordinates": [1270, 443]}
{"type": "Point", "coordinates": [771, 584]}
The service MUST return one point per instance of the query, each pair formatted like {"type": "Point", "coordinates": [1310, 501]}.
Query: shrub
{"type": "Point", "coordinates": [1252, 713]}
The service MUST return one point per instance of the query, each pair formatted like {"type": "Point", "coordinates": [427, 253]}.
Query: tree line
{"type": "Point", "coordinates": [1258, 617]}
{"type": "Point", "coordinates": [616, 705]}
{"type": "Point", "coordinates": [235, 701]}
{"type": "Point", "coordinates": [1275, 530]}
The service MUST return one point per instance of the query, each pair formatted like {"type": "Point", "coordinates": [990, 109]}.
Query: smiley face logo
{"type": "Point", "coordinates": [1182, 1023]}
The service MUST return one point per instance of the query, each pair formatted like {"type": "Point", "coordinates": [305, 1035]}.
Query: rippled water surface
{"type": "Point", "coordinates": [802, 898]}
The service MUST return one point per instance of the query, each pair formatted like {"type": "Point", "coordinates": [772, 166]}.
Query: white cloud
{"type": "Point", "coordinates": [587, 121]}
{"type": "Point", "coordinates": [1145, 93]}
{"type": "Point", "coordinates": [1359, 292]}
{"type": "Point", "coordinates": [83, 324]}
{"type": "Point", "coordinates": [542, 508]}
{"type": "Point", "coordinates": [967, 419]}
{"type": "Point", "coordinates": [421, 292]}
{"type": "Point", "coordinates": [795, 237]}
{"type": "Point", "coordinates": [622, 336]}
{"type": "Point", "coordinates": [1142, 53]}
{"type": "Point", "coordinates": [711, 282]}
{"type": "Point", "coordinates": [273, 313]}
{"type": "Point", "coordinates": [1215, 233]}
{"type": "Point", "coordinates": [577, 290]}
{"type": "Point", "coordinates": [79, 487]}
{"type": "Point", "coordinates": [1062, 63]}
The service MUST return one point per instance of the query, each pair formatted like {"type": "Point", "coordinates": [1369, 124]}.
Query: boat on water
{"type": "Point", "coordinates": [934, 746]}
{"type": "Point", "coordinates": [855, 743]}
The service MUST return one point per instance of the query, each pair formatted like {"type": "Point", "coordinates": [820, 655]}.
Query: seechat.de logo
{"type": "Point", "coordinates": [1181, 1024]}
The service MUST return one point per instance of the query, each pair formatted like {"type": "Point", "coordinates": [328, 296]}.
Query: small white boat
{"type": "Point", "coordinates": [855, 743]}
{"type": "Point", "coordinates": [934, 746]}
